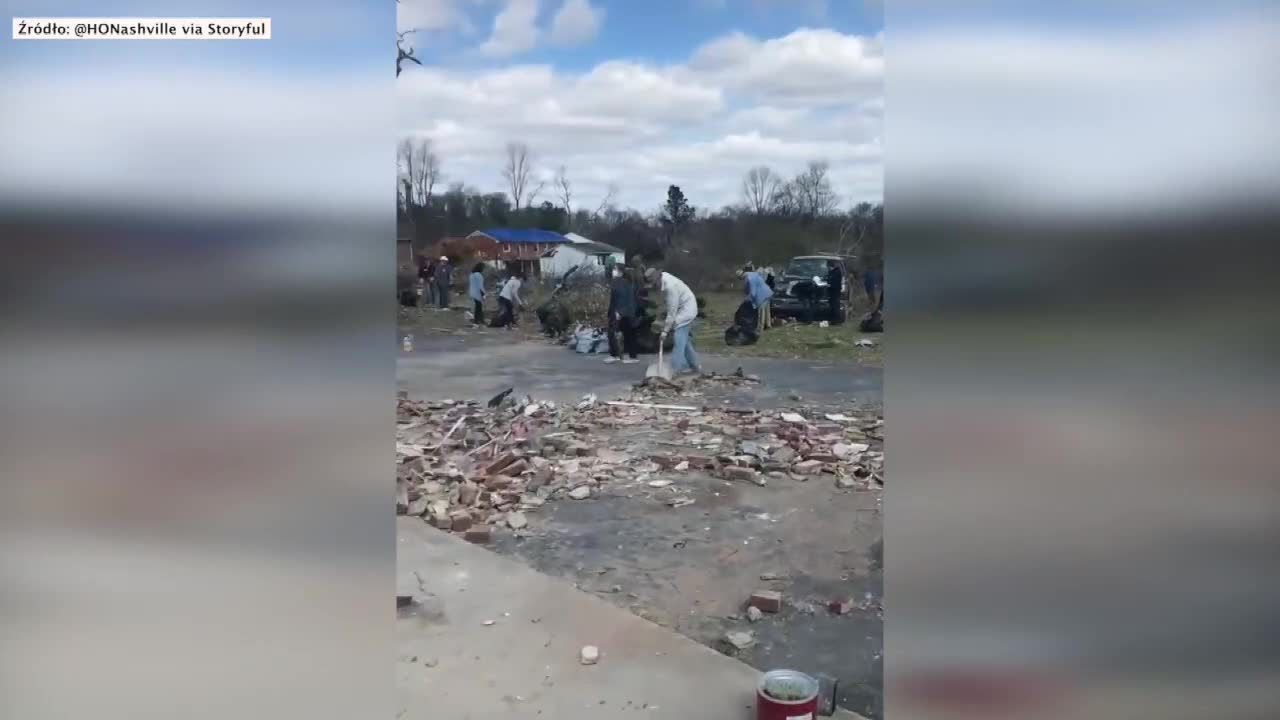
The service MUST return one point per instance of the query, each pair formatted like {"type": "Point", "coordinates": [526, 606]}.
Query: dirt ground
{"type": "Point", "coordinates": [693, 567]}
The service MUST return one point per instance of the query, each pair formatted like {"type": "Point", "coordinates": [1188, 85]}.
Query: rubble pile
{"type": "Point", "coordinates": [466, 467]}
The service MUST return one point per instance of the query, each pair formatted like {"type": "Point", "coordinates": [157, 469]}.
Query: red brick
{"type": "Point", "coordinates": [840, 607]}
{"type": "Point", "coordinates": [769, 601]}
{"type": "Point", "coordinates": [740, 473]}
{"type": "Point", "coordinates": [480, 534]}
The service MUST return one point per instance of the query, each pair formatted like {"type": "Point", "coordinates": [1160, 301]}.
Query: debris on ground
{"type": "Point", "coordinates": [754, 614]}
{"type": "Point", "coordinates": [474, 468]}
{"type": "Point", "coordinates": [590, 655]}
{"type": "Point", "coordinates": [740, 639]}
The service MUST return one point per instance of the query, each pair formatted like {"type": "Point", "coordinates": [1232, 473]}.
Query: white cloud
{"type": "Point", "coordinates": [702, 124]}
{"type": "Point", "coordinates": [806, 65]}
{"type": "Point", "coordinates": [431, 15]}
{"type": "Point", "coordinates": [576, 22]}
{"type": "Point", "coordinates": [515, 30]}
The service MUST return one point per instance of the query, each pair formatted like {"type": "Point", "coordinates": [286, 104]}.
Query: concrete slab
{"type": "Point", "coordinates": [492, 639]}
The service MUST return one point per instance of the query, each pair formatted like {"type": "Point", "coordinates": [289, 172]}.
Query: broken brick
{"type": "Point", "coordinates": [460, 520]}
{"type": "Point", "coordinates": [467, 493]}
{"type": "Point", "coordinates": [740, 473]}
{"type": "Point", "coordinates": [497, 482]}
{"type": "Point", "coordinates": [501, 463]}
{"type": "Point", "coordinates": [840, 607]}
{"type": "Point", "coordinates": [769, 601]}
{"type": "Point", "coordinates": [700, 462]}
{"type": "Point", "coordinates": [515, 468]}
{"type": "Point", "coordinates": [480, 534]}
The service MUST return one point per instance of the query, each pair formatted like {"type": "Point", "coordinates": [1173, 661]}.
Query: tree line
{"type": "Point", "coordinates": [775, 218]}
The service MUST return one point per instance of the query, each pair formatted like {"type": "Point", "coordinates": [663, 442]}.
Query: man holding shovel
{"type": "Point", "coordinates": [682, 310]}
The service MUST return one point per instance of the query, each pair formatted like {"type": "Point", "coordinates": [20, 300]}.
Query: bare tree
{"type": "Point", "coordinates": [427, 171]}
{"type": "Point", "coordinates": [517, 171]}
{"type": "Point", "coordinates": [610, 195]}
{"type": "Point", "coordinates": [564, 190]}
{"type": "Point", "coordinates": [814, 195]}
{"type": "Point", "coordinates": [760, 188]}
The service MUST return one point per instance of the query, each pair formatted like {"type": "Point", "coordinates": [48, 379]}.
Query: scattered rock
{"type": "Point", "coordinates": [590, 655]}
{"type": "Point", "coordinates": [517, 521]}
{"type": "Point", "coordinates": [479, 534]}
{"type": "Point", "coordinates": [845, 451]}
{"type": "Point", "coordinates": [809, 467]}
{"type": "Point", "coordinates": [582, 492]}
{"type": "Point", "coordinates": [467, 494]}
{"type": "Point", "coordinates": [754, 614]}
{"type": "Point", "coordinates": [845, 483]}
{"type": "Point", "coordinates": [740, 639]}
{"type": "Point", "coordinates": [659, 483]}
{"type": "Point", "coordinates": [793, 418]}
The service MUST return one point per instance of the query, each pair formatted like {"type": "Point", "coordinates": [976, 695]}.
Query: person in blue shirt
{"type": "Point", "coordinates": [757, 293]}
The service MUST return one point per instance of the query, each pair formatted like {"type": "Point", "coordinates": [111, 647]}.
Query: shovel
{"type": "Point", "coordinates": [659, 369]}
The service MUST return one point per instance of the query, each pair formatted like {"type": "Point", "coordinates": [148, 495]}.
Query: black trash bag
{"type": "Point", "coordinates": [743, 330]}
{"type": "Point", "coordinates": [554, 318]}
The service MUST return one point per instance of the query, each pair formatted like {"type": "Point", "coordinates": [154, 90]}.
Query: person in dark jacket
{"type": "Point", "coordinates": [835, 289]}
{"type": "Point", "coordinates": [623, 309]}
{"type": "Point", "coordinates": [444, 272]}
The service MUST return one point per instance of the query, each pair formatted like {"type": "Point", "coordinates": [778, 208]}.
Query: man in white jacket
{"type": "Point", "coordinates": [682, 310]}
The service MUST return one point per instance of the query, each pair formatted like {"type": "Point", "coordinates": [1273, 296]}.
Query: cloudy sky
{"type": "Point", "coordinates": [645, 95]}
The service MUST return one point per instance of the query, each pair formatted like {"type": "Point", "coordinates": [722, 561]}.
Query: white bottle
{"type": "Point", "coordinates": [407, 343]}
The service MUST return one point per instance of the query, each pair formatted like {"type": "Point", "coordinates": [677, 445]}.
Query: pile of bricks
{"type": "Point", "coordinates": [467, 468]}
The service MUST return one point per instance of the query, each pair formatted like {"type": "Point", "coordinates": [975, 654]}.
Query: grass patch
{"type": "Point", "coordinates": [793, 340]}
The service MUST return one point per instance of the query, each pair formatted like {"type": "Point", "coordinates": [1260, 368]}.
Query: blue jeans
{"type": "Point", "coordinates": [683, 356]}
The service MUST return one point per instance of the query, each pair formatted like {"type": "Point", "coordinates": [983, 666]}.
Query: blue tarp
{"type": "Point", "coordinates": [525, 237]}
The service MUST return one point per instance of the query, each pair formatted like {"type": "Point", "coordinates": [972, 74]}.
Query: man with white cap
{"type": "Point", "coordinates": [443, 272]}
{"type": "Point", "coordinates": [682, 310]}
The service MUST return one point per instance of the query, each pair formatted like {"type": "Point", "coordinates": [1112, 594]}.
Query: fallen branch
{"type": "Point", "coordinates": [651, 406]}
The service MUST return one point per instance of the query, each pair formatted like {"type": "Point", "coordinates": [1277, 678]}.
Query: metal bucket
{"type": "Point", "coordinates": [771, 708]}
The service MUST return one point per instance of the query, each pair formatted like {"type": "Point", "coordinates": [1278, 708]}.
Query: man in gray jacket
{"type": "Point", "coordinates": [682, 310]}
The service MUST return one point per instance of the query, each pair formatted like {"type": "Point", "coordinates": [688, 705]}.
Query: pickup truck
{"type": "Point", "coordinates": [796, 285]}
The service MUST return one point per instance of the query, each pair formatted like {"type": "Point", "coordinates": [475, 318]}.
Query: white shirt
{"type": "Point", "coordinates": [682, 306]}
{"type": "Point", "coordinates": [511, 291]}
